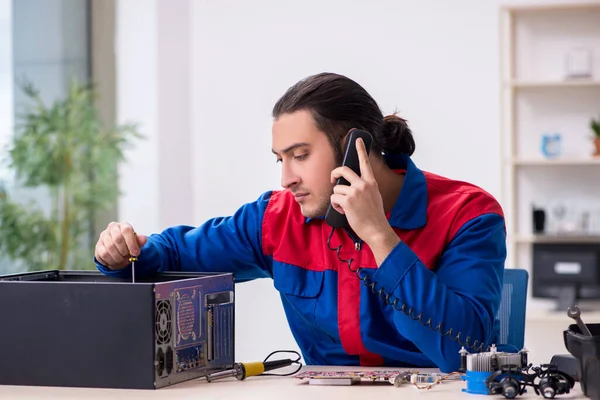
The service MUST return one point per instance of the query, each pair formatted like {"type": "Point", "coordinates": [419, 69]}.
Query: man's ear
{"type": "Point", "coordinates": [341, 144]}
{"type": "Point", "coordinates": [344, 140]}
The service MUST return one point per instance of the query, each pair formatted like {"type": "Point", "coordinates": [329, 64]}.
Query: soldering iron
{"type": "Point", "coordinates": [242, 371]}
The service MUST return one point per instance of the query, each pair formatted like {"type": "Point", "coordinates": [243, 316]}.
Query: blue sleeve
{"type": "Point", "coordinates": [464, 293]}
{"type": "Point", "coordinates": [223, 244]}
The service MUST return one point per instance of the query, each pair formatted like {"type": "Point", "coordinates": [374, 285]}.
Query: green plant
{"type": "Point", "coordinates": [65, 151]}
{"type": "Point", "coordinates": [595, 126]}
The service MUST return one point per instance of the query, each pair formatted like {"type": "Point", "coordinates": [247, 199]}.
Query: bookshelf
{"type": "Point", "coordinates": [560, 162]}
{"type": "Point", "coordinates": [542, 47]}
{"type": "Point", "coordinates": [552, 85]}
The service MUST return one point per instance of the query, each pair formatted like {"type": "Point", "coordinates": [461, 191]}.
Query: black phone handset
{"type": "Point", "coordinates": [338, 220]}
{"type": "Point", "coordinates": [333, 217]}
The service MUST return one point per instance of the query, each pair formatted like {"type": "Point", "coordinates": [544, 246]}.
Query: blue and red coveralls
{"type": "Point", "coordinates": [449, 266]}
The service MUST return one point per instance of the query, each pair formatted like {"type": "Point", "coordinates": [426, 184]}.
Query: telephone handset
{"type": "Point", "coordinates": [332, 217]}
{"type": "Point", "coordinates": [337, 220]}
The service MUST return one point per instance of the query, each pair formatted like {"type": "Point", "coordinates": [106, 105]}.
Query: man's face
{"type": "Point", "coordinates": [307, 160]}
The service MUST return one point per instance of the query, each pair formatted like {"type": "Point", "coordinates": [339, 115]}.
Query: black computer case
{"type": "Point", "coordinates": [84, 329]}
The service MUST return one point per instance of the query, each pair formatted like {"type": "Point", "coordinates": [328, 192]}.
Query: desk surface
{"type": "Point", "coordinates": [264, 388]}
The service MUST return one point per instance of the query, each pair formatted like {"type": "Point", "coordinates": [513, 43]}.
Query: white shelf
{"type": "Point", "coordinates": [524, 239]}
{"type": "Point", "coordinates": [536, 99]}
{"type": "Point", "coordinates": [562, 162]}
{"type": "Point", "coordinates": [567, 6]}
{"type": "Point", "coordinates": [554, 84]}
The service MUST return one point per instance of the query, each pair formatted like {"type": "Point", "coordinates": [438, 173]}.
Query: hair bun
{"type": "Point", "coordinates": [396, 136]}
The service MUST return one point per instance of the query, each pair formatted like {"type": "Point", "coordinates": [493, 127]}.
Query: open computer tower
{"type": "Point", "coordinates": [84, 329]}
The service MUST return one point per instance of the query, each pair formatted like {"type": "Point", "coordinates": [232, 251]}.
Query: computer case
{"type": "Point", "coordinates": [84, 329]}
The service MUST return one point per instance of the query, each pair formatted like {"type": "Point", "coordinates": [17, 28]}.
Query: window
{"type": "Point", "coordinates": [46, 42]}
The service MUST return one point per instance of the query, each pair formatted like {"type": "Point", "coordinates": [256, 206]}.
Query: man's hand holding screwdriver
{"type": "Point", "coordinates": [117, 243]}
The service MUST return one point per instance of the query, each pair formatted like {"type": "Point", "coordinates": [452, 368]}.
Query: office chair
{"type": "Point", "coordinates": [511, 314]}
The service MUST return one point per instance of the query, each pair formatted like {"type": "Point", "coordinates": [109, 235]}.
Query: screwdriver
{"type": "Point", "coordinates": [132, 260]}
{"type": "Point", "coordinates": [242, 371]}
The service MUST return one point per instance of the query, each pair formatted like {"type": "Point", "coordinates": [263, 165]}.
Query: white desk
{"type": "Point", "coordinates": [543, 339]}
{"type": "Point", "coordinates": [265, 388]}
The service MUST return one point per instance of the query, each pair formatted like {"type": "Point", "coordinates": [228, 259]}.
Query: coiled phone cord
{"type": "Point", "coordinates": [408, 311]}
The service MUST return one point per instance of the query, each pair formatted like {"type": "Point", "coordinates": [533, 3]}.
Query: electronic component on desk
{"type": "Point", "coordinates": [568, 364]}
{"type": "Point", "coordinates": [395, 377]}
{"type": "Point", "coordinates": [546, 380]}
{"type": "Point", "coordinates": [354, 377]}
{"type": "Point", "coordinates": [85, 329]}
{"type": "Point", "coordinates": [425, 378]}
{"type": "Point", "coordinates": [478, 366]}
{"type": "Point", "coordinates": [508, 374]}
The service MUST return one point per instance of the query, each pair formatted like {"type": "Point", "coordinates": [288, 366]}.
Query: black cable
{"type": "Point", "coordinates": [408, 311]}
{"type": "Point", "coordinates": [296, 361]}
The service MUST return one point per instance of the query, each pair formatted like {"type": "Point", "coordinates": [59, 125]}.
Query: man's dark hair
{"type": "Point", "coordinates": [338, 104]}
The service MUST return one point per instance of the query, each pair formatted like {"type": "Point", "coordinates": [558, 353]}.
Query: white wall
{"type": "Point", "coordinates": [137, 83]}
{"type": "Point", "coordinates": [435, 61]}
{"type": "Point", "coordinates": [153, 85]}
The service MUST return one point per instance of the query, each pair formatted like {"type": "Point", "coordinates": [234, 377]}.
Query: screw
{"type": "Point", "coordinates": [575, 313]}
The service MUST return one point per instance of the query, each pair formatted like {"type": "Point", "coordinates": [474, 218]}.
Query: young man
{"type": "Point", "coordinates": [418, 274]}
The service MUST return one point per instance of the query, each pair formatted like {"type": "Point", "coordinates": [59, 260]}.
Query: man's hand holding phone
{"type": "Point", "coordinates": [362, 204]}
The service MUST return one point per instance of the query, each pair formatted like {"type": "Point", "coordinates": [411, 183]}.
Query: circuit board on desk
{"type": "Point", "coordinates": [355, 377]}
{"type": "Point", "coordinates": [394, 377]}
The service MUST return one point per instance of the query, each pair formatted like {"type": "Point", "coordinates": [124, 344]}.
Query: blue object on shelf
{"type": "Point", "coordinates": [551, 145]}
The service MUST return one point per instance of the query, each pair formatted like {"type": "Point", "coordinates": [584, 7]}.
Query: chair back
{"type": "Point", "coordinates": [511, 314]}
